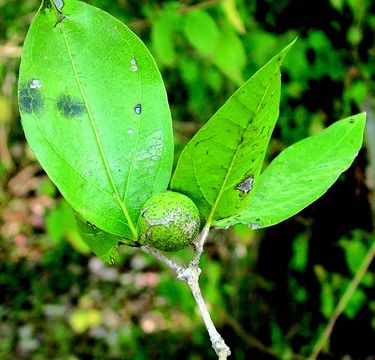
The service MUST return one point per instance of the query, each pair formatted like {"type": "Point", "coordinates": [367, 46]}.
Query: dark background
{"type": "Point", "coordinates": [270, 292]}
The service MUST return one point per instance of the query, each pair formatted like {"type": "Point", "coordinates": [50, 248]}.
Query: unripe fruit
{"type": "Point", "coordinates": [169, 221]}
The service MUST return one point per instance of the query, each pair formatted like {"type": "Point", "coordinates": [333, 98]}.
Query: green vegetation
{"type": "Point", "coordinates": [272, 291]}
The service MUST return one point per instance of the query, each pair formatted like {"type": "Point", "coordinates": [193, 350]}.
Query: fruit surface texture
{"type": "Point", "coordinates": [169, 221]}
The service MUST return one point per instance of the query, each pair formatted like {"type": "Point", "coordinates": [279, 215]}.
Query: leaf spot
{"type": "Point", "coordinates": [154, 149]}
{"type": "Point", "coordinates": [138, 109]}
{"type": "Point", "coordinates": [30, 99]}
{"type": "Point", "coordinates": [133, 65]}
{"type": "Point", "coordinates": [130, 131]}
{"type": "Point", "coordinates": [246, 185]}
{"type": "Point", "coordinates": [91, 225]}
{"type": "Point", "coordinates": [35, 84]}
{"type": "Point", "coordinates": [59, 5]}
{"type": "Point", "coordinates": [253, 226]}
{"type": "Point", "coordinates": [69, 107]}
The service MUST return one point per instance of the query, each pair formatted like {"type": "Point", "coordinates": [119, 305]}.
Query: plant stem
{"type": "Point", "coordinates": [343, 302]}
{"type": "Point", "coordinates": [199, 245]}
{"type": "Point", "coordinates": [156, 254]}
{"type": "Point", "coordinates": [190, 275]}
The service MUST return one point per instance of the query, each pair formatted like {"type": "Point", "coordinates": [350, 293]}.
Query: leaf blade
{"type": "Point", "coordinates": [201, 31]}
{"type": "Point", "coordinates": [95, 112]}
{"type": "Point", "coordinates": [295, 179]}
{"type": "Point", "coordinates": [220, 165]}
{"type": "Point", "coordinates": [103, 245]}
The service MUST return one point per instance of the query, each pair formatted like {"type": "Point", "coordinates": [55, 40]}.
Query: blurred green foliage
{"type": "Point", "coordinates": [270, 292]}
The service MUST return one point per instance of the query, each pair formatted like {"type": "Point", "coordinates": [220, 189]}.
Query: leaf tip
{"type": "Point", "coordinates": [285, 50]}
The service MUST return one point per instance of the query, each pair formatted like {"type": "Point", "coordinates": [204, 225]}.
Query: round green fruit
{"type": "Point", "coordinates": [169, 221]}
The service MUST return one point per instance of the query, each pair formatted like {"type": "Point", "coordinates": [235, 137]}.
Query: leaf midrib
{"type": "Point", "coordinates": [318, 159]}
{"type": "Point", "coordinates": [100, 146]}
{"type": "Point", "coordinates": [235, 154]}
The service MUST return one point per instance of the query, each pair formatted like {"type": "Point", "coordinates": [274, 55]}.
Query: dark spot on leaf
{"type": "Point", "coordinates": [59, 19]}
{"type": "Point", "coordinates": [46, 4]}
{"type": "Point", "coordinates": [91, 225]}
{"type": "Point", "coordinates": [246, 185]}
{"type": "Point", "coordinates": [138, 109]}
{"type": "Point", "coordinates": [351, 121]}
{"type": "Point", "coordinates": [203, 140]}
{"type": "Point", "coordinates": [69, 107]}
{"type": "Point", "coordinates": [29, 98]}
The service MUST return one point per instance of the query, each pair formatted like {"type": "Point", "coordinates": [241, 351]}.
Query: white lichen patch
{"type": "Point", "coordinates": [168, 220]}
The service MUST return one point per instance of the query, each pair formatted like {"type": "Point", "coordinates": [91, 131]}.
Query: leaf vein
{"type": "Point", "coordinates": [100, 146]}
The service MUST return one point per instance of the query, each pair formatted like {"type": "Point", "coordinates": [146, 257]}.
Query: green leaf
{"type": "Point", "coordinates": [233, 15]}
{"type": "Point", "coordinates": [327, 300]}
{"type": "Point", "coordinates": [230, 56]}
{"type": "Point", "coordinates": [61, 225]}
{"type": "Point", "coordinates": [301, 174]}
{"type": "Point", "coordinates": [355, 304]}
{"type": "Point", "coordinates": [163, 31]}
{"type": "Point", "coordinates": [201, 31]}
{"type": "Point", "coordinates": [300, 253]}
{"type": "Point", "coordinates": [219, 167]}
{"type": "Point", "coordinates": [102, 244]}
{"type": "Point", "coordinates": [355, 252]}
{"type": "Point", "coordinates": [95, 112]}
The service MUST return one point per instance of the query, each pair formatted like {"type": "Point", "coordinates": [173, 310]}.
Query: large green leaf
{"type": "Point", "coordinates": [219, 167]}
{"type": "Point", "coordinates": [95, 112]}
{"type": "Point", "coordinates": [301, 174]}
